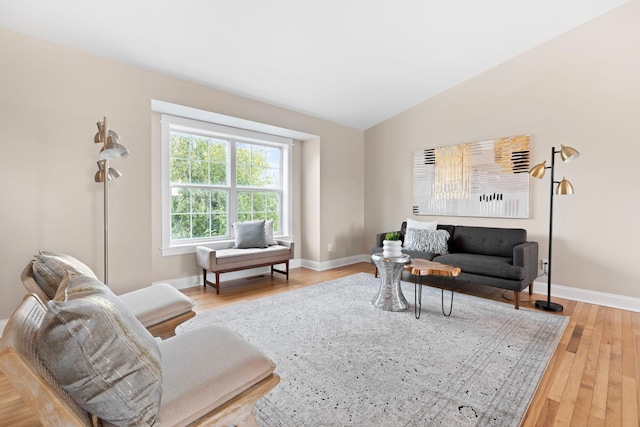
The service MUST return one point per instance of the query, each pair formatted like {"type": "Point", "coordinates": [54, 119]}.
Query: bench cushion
{"type": "Point", "coordinates": [212, 375]}
{"type": "Point", "coordinates": [155, 304]}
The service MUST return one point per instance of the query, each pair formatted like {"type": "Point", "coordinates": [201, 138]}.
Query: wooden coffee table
{"type": "Point", "coordinates": [422, 267]}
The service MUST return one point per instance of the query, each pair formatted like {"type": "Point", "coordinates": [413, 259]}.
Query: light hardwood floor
{"type": "Point", "coordinates": [592, 379]}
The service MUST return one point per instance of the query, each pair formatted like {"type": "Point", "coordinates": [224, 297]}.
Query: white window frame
{"type": "Point", "coordinates": [169, 122]}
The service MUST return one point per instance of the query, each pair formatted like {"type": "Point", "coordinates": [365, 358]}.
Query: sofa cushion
{"type": "Point", "coordinates": [434, 241]}
{"type": "Point", "coordinates": [486, 240]}
{"type": "Point", "coordinates": [50, 268]}
{"type": "Point", "coordinates": [250, 234]}
{"type": "Point", "coordinates": [486, 265]}
{"type": "Point", "coordinates": [421, 225]}
{"type": "Point", "coordinates": [429, 256]}
{"type": "Point", "coordinates": [100, 354]}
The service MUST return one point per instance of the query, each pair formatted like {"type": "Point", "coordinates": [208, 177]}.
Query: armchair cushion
{"type": "Point", "coordinates": [101, 354]}
{"type": "Point", "coordinates": [221, 365]}
{"type": "Point", "coordinates": [49, 268]}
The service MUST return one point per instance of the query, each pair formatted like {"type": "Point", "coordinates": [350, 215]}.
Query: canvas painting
{"type": "Point", "coordinates": [485, 179]}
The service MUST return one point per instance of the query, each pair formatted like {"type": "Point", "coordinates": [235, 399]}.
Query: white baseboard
{"type": "Point", "coordinates": [592, 297]}
{"type": "Point", "coordinates": [3, 323]}
{"type": "Point", "coordinates": [335, 263]}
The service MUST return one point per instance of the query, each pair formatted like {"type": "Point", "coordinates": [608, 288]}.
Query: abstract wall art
{"type": "Point", "coordinates": [486, 179]}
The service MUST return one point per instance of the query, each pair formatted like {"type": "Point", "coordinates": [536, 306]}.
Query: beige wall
{"type": "Point", "coordinates": [581, 89]}
{"type": "Point", "coordinates": [50, 100]}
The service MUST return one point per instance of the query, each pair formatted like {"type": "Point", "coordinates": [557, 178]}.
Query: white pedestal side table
{"type": "Point", "coordinates": [390, 296]}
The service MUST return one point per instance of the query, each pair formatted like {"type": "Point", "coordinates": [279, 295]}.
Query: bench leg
{"type": "Point", "coordinates": [216, 285]}
{"type": "Point", "coordinates": [285, 272]}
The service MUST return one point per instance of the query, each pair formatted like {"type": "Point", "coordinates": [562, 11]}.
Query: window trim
{"type": "Point", "coordinates": [170, 122]}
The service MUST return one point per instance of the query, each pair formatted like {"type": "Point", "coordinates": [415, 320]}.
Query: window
{"type": "Point", "coordinates": [215, 175]}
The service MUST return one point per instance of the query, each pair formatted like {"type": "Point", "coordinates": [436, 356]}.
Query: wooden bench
{"type": "Point", "coordinates": [220, 261]}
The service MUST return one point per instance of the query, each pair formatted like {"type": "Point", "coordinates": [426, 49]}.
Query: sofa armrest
{"type": "Point", "coordinates": [526, 255]}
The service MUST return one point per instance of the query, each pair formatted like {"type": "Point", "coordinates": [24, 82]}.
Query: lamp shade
{"type": "Point", "coordinates": [538, 170]}
{"type": "Point", "coordinates": [568, 153]}
{"type": "Point", "coordinates": [113, 151]}
{"type": "Point", "coordinates": [113, 173]}
{"type": "Point", "coordinates": [564, 187]}
{"type": "Point", "coordinates": [99, 136]}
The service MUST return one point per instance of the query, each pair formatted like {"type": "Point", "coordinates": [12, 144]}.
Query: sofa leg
{"type": "Point", "coordinates": [531, 288]}
{"type": "Point", "coordinates": [204, 278]}
{"type": "Point", "coordinates": [517, 295]}
{"type": "Point", "coordinates": [217, 285]}
{"type": "Point", "coordinates": [376, 268]}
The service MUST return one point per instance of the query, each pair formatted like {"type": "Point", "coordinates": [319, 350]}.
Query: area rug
{"type": "Point", "coordinates": [343, 362]}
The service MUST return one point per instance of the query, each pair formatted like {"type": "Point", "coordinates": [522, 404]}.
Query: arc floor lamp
{"type": "Point", "coordinates": [564, 187]}
{"type": "Point", "coordinates": [111, 150]}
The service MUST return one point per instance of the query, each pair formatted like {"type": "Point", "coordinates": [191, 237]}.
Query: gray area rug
{"type": "Point", "coordinates": [344, 363]}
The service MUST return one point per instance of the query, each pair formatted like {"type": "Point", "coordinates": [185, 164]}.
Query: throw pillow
{"type": "Point", "coordinates": [250, 234]}
{"type": "Point", "coordinates": [101, 354]}
{"type": "Point", "coordinates": [434, 241]}
{"type": "Point", "coordinates": [268, 230]}
{"type": "Point", "coordinates": [49, 268]}
{"type": "Point", "coordinates": [421, 225]}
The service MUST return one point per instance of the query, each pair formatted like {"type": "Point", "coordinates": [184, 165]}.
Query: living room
{"type": "Point", "coordinates": [579, 89]}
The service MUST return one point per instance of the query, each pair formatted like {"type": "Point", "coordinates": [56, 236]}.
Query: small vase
{"type": "Point", "coordinates": [391, 248]}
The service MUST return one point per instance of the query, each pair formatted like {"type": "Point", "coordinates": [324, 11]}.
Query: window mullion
{"type": "Point", "coordinates": [233, 195]}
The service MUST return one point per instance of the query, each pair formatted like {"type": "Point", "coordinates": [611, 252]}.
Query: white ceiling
{"type": "Point", "coordinates": [354, 62]}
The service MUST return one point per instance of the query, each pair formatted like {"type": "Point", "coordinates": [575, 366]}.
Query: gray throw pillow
{"type": "Point", "coordinates": [101, 354]}
{"type": "Point", "coordinates": [49, 268]}
{"type": "Point", "coordinates": [268, 230]}
{"type": "Point", "coordinates": [250, 234]}
{"type": "Point", "coordinates": [434, 241]}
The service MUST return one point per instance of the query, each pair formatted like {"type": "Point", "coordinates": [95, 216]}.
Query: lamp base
{"type": "Point", "coordinates": [549, 306]}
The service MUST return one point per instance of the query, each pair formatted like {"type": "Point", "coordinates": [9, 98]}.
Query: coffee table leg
{"type": "Point", "coordinates": [451, 303]}
{"type": "Point", "coordinates": [417, 296]}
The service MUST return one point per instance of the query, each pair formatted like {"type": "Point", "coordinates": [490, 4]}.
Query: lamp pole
{"type": "Point", "coordinates": [111, 149]}
{"type": "Point", "coordinates": [548, 305]}
{"type": "Point", "coordinates": [106, 221]}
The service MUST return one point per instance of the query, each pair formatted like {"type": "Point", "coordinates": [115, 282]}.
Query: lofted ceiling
{"type": "Point", "coordinates": [353, 62]}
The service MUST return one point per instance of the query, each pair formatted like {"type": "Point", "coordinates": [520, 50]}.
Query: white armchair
{"type": "Point", "coordinates": [210, 375]}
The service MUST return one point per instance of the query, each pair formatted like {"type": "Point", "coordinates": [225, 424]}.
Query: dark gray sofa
{"type": "Point", "coordinates": [497, 257]}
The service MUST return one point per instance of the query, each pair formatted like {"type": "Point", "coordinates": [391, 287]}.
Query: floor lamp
{"type": "Point", "coordinates": [111, 150]}
{"type": "Point", "coordinates": [564, 187]}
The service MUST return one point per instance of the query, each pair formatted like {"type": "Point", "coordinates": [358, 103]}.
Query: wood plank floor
{"type": "Point", "coordinates": [592, 379]}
